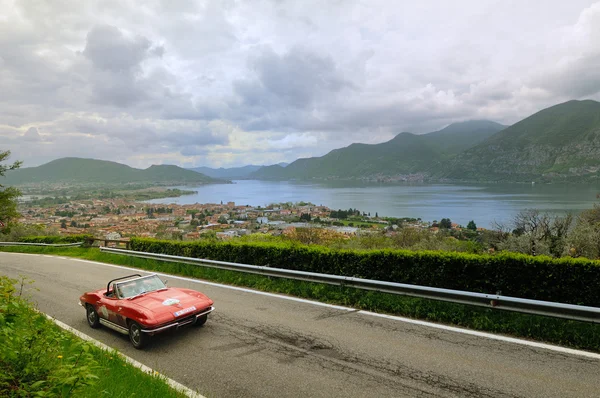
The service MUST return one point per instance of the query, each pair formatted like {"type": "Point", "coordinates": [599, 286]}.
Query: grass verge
{"type": "Point", "coordinates": [37, 358]}
{"type": "Point", "coordinates": [567, 333]}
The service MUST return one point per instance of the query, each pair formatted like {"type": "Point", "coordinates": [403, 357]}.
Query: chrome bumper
{"type": "Point", "coordinates": [187, 321]}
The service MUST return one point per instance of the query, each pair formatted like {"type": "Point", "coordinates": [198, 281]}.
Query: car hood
{"type": "Point", "coordinates": [171, 300]}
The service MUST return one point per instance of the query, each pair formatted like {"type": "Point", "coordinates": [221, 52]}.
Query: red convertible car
{"type": "Point", "coordinates": [141, 306]}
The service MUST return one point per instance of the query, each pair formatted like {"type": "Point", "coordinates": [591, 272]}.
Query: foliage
{"type": "Point", "coordinates": [472, 226]}
{"type": "Point", "coordinates": [58, 239]}
{"type": "Point", "coordinates": [18, 231]}
{"type": "Point", "coordinates": [343, 214]}
{"type": "Point", "coordinates": [8, 196]}
{"type": "Point", "coordinates": [312, 236]}
{"type": "Point", "coordinates": [584, 239]}
{"type": "Point", "coordinates": [538, 233]}
{"type": "Point", "coordinates": [305, 217]}
{"type": "Point", "coordinates": [445, 223]}
{"type": "Point", "coordinates": [36, 359]}
{"type": "Point", "coordinates": [4, 155]}
{"type": "Point", "coordinates": [564, 280]}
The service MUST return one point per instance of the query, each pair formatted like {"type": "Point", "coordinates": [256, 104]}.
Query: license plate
{"type": "Point", "coordinates": [185, 311]}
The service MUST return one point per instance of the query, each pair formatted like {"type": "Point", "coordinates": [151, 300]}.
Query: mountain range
{"type": "Point", "coordinates": [560, 143]}
{"type": "Point", "coordinates": [234, 173]}
{"type": "Point", "coordinates": [78, 171]}
{"type": "Point", "coordinates": [404, 155]}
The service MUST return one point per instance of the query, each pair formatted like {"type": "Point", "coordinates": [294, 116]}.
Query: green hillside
{"type": "Point", "coordinates": [232, 172]}
{"type": "Point", "coordinates": [274, 172]}
{"type": "Point", "coordinates": [458, 137]}
{"type": "Point", "coordinates": [558, 143]}
{"type": "Point", "coordinates": [405, 155]}
{"type": "Point", "coordinates": [78, 171]}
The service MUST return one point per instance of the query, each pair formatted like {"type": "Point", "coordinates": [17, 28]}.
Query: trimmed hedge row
{"type": "Point", "coordinates": [566, 280]}
{"type": "Point", "coordinates": [88, 239]}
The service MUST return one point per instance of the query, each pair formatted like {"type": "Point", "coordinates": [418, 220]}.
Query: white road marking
{"type": "Point", "coordinates": [172, 383]}
{"type": "Point", "coordinates": [491, 336]}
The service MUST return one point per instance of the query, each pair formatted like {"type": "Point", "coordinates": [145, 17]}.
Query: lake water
{"type": "Point", "coordinates": [482, 203]}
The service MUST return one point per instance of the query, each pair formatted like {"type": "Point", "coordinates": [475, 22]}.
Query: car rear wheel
{"type": "Point", "coordinates": [92, 317]}
{"type": "Point", "coordinates": [201, 320]}
{"type": "Point", "coordinates": [138, 338]}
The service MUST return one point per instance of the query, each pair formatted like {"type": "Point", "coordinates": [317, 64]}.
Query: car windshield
{"type": "Point", "coordinates": [139, 286]}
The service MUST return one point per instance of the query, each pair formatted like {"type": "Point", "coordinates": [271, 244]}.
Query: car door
{"type": "Point", "coordinates": [110, 309]}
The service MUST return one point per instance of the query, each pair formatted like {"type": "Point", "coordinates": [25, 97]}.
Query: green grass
{"type": "Point", "coordinates": [120, 379]}
{"type": "Point", "coordinates": [574, 334]}
{"type": "Point", "coordinates": [38, 358]}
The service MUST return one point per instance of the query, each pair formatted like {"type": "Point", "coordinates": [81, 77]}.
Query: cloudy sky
{"type": "Point", "coordinates": [228, 83]}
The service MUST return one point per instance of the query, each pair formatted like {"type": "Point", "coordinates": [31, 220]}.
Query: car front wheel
{"type": "Point", "coordinates": [138, 338]}
{"type": "Point", "coordinates": [201, 320]}
{"type": "Point", "coordinates": [92, 317]}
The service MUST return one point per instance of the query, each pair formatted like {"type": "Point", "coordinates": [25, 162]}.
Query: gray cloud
{"type": "Point", "coordinates": [230, 83]}
{"type": "Point", "coordinates": [577, 78]}
{"type": "Point", "coordinates": [32, 135]}
{"type": "Point", "coordinates": [109, 49]}
{"type": "Point", "coordinates": [284, 89]}
{"type": "Point", "coordinates": [297, 79]}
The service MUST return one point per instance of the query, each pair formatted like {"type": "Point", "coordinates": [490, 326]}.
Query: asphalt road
{"type": "Point", "coordinates": [257, 345]}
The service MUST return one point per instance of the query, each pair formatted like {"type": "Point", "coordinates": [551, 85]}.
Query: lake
{"type": "Point", "coordinates": [483, 203]}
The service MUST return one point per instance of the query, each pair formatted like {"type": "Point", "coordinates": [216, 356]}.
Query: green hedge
{"type": "Point", "coordinates": [566, 280]}
{"type": "Point", "coordinates": [58, 239]}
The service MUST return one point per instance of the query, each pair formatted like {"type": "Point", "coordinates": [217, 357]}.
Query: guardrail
{"type": "Point", "coordinates": [115, 241]}
{"type": "Point", "coordinates": [547, 308]}
{"type": "Point", "coordinates": [41, 244]}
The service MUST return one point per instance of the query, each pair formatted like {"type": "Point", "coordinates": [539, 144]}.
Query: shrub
{"type": "Point", "coordinates": [58, 239]}
{"type": "Point", "coordinates": [36, 358]}
{"type": "Point", "coordinates": [15, 232]}
{"type": "Point", "coordinates": [567, 280]}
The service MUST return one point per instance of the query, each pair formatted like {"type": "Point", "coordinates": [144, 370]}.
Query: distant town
{"type": "Point", "coordinates": [122, 218]}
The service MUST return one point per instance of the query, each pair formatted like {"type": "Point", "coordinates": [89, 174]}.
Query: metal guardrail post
{"type": "Point", "coordinates": [516, 304]}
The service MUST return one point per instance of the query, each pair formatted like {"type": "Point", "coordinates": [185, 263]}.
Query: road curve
{"type": "Point", "coordinates": [256, 345]}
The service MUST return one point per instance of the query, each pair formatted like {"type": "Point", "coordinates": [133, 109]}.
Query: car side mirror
{"type": "Point", "coordinates": [165, 282]}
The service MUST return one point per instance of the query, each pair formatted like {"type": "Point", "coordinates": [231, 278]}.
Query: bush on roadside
{"type": "Point", "coordinates": [58, 239]}
{"type": "Point", "coordinates": [36, 358]}
{"type": "Point", "coordinates": [13, 232]}
{"type": "Point", "coordinates": [566, 280]}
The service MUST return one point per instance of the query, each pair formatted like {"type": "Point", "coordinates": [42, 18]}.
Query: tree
{"type": "Point", "coordinates": [305, 217]}
{"type": "Point", "coordinates": [9, 195]}
{"type": "Point", "coordinates": [445, 223]}
{"type": "Point", "coordinates": [471, 225]}
{"type": "Point", "coordinates": [63, 224]}
{"type": "Point", "coordinates": [538, 233]}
